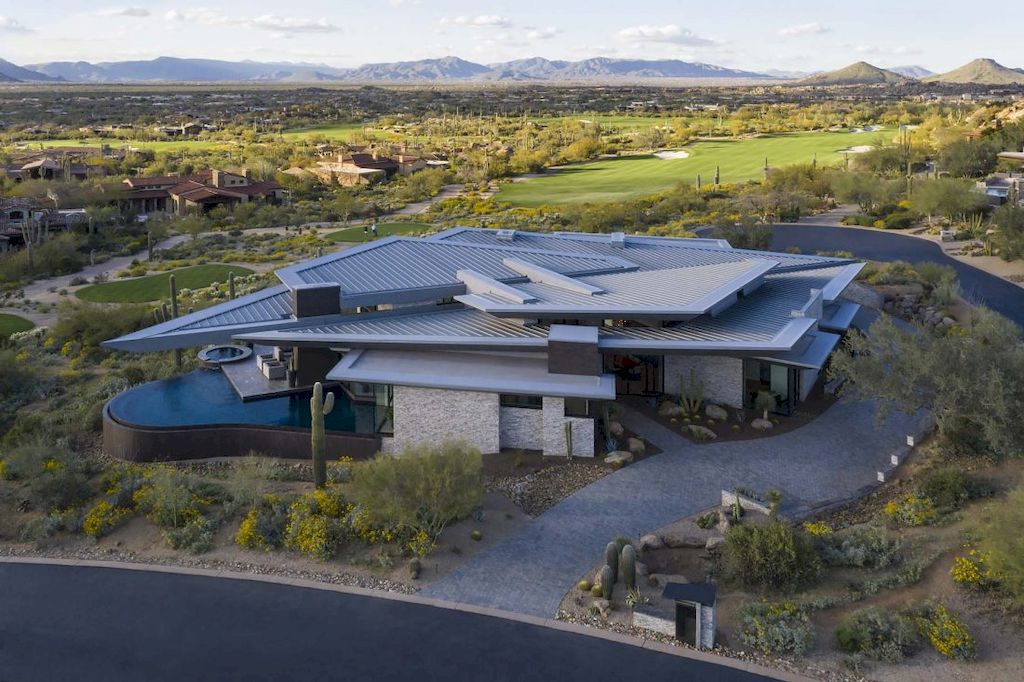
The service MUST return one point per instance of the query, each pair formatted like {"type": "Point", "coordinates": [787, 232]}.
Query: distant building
{"type": "Point", "coordinates": [1001, 188]}
{"type": "Point", "coordinates": [202, 192]}
{"type": "Point", "coordinates": [60, 163]}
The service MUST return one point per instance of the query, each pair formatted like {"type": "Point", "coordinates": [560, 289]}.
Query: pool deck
{"type": "Point", "coordinates": [250, 383]}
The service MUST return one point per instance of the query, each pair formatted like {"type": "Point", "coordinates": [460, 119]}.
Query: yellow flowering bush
{"type": "Point", "coordinates": [248, 535]}
{"type": "Point", "coordinates": [818, 529]}
{"type": "Point", "coordinates": [102, 518]}
{"type": "Point", "coordinates": [314, 527]}
{"type": "Point", "coordinates": [362, 526]}
{"type": "Point", "coordinates": [911, 510]}
{"type": "Point", "coordinates": [421, 544]}
{"type": "Point", "coordinates": [263, 527]}
{"type": "Point", "coordinates": [946, 633]}
{"type": "Point", "coordinates": [973, 570]}
{"type": "Point", "coordinates": [4, 476]}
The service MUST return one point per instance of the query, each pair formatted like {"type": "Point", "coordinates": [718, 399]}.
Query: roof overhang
{"type": "Point", "coordinates": [515, 373]}
{"type": "Point", "coordinates": [812, 355]}
{"type": "Point", "coordinates": [782, 342]}
{"type": "Point", "coordinates": [838, 316]}
{"type": "Point", "coordinates": [837, 286]}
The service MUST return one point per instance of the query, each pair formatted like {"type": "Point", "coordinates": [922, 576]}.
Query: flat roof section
{"type": "Point", "coordinates": [515, 373]}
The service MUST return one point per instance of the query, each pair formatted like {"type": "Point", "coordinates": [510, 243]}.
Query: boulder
{"type": "Point", "coordinates": [669, 409]}
{"type": "Point", "coordinates": [948, 322]}
{"type": "Point", "coordinates": [641, 568]}
{"type": "Point", "coordinates": [762, 424]}
{"type": "Point", "coordinates": [603, 607]}
{"type": "Point", "coordinates": [636, 446]}
{"type": "Point", "coordinates": [713, 542]}
{"type": "Point", "coordinates": [615, 429]}
{"type": "Point", "coordinates": [715, 412]}
{"type": "Point", "coordinates": [681, 541]}
{"type": "Point", "coordinates": [650, 541]}
{"type": "Point", "coordinates": [701, 432]}
{"type": "Point", "coordinates": [618, 456]}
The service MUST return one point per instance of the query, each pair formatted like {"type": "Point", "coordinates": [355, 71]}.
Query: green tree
{"type": "Point", "coordinates": [947, 197]}
{"type": "Point", "coordinates": [1008, 223]}
{"type": "Point", "coordinates": [965, 158]}
{"type": "Point", "coordinates": [1003, 543]}
{"type": "Point", "coordinates": [772, 555]}
{"type": "Point", "coordinates": [866, 190]}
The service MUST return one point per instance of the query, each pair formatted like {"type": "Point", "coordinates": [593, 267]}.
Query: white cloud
{"type": "Point", "coordinates": [268, 22]}
{"type": "Point", "coordinates": [669, 33]}
{"type": "Point", "coordinates": [877, 49]}
{"type": "Point", "coordinates": [11, 24]}
{"type": "Point", "coordinates": [813, 28]}
{"type": "Point", "coordinates": [479, 21]}
{"type": "Point", "coordinates": [541, 33]}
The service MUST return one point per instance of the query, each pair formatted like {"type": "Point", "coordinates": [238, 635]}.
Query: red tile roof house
{"type": "Point", "coordinates": [201, 192]}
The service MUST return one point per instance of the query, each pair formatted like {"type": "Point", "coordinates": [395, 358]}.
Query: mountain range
{"type": "Point", "coordinates": [536, 69]}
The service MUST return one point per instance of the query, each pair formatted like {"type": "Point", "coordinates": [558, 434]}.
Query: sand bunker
{"type": "Point", "coordinates": [859, 149]}
{"type": "Point", "coordinates": [678, 154]}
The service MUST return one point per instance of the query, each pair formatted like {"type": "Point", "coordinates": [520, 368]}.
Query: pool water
{"type": "Point", "coordinates": [206, 397]}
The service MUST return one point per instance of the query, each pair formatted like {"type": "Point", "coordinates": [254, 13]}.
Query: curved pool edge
{"type": "Point", "coordinates": [182, 443]}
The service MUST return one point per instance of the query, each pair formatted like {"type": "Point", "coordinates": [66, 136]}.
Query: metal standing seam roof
{"type": "Point", "coordinates": [650, 253]}
{"type": "Point", "coordinates": [400, 263]}
{"type": "Point", "coordinates": [691, 290]}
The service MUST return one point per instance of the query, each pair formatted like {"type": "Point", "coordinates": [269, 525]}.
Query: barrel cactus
{"type": "Point", "coordinates": [607, 582]}
{"type": "Point", "coordinates": [629, 567]}
{"type": "Point", "coordinates": [319, 406]}
{"type": "Point", "coordinates": [611, 558]}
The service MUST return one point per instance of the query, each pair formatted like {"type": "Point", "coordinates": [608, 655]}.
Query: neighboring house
{"type": "Point", "coordinates": [1001, 188]}
{"type": "Point", "coordinates": [201, 192]}
{"type": "Point", "coordinates": [353, 168]}
{"type": "Point", "coordinates": [1012, 156]}
{"type": "Point", "coordinates": [60, 163]}
{"type": "Point", "coordinates": [507, 339]}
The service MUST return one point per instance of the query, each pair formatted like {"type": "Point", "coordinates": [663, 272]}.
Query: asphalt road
{"type": "Point", "coordinates": [82, 624]}
{"type": "Point", "coordinates": [995, 292]}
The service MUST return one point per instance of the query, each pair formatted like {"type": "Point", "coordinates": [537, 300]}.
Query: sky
{"type": "Point", "coordinates": [755, 35]}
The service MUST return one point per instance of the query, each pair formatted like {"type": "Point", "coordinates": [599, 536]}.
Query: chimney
{"type": "Point", "coordinates": [217, 178]}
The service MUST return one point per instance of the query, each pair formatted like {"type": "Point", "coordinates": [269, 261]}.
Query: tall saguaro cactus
{"type": "Point", "coordinates": [173, 284]}
{"type": "Point", "coordinates": [231, 285]}
{"type": "Point", "coordinates": [319, 406]}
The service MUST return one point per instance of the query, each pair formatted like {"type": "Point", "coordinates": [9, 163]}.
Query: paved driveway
{"type": "Point", "coordinates": [832, 458]}
{"type": "Point", "coordinates": [84, 624]}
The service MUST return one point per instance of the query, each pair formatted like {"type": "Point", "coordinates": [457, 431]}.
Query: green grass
{"type": "Point", "coordinates": [336, 131]}
{"type": "Point", "coordinates": [12, 324]}
{"type": "Point", "coordinates": [355, 233]}
{"type": "Point", "coordinates": [630, 177]}
{"type": "Point", "coordinates": [156, 287]}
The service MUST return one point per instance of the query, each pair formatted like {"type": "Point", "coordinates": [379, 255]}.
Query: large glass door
{"type": "Point", "coordinates": [637, 374]}
{"type": "Point", "coordinates": [782, 381]}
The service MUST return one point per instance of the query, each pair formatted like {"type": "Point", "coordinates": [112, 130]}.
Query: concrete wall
{"type": "Point", "coordinates": [722, 377]}
{"type": "Point", "coordinates": [808, 377]}
{"type": "Point", "coordinates": [522, 428]}
{"type": "Point", "coordinates": [554, 430]}
{"type": "Point", "coordinates": [433, 415]}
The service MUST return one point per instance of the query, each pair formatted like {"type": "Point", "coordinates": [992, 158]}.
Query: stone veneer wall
{"type": "Point", "coordinates": [522, 427]}
{"type": "Point", "coordinates": [722, 377]}
{"type": "Point", "coordinates": [432, 415]}
{"type": "Point", "coordinates": [554, 430]}
{"type": "Point", "coordinates": [650, 618]}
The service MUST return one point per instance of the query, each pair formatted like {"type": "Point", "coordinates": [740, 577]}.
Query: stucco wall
{"type": "Point", "coordinates": [433, 415]}
{"type": "Point", "coordinates": [808, 377]}
{"type": "Point", "coordinates": [522, 427]}
{"type": "Point", "coordinates": [554, 430]}
{"type": "Point", "coordinates": [722, 377]}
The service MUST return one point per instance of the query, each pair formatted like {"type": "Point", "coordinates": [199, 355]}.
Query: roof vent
{"type": "Point", "coordinates": [506, 235]}
{"type": "Point", "coordinates": [618, 239]}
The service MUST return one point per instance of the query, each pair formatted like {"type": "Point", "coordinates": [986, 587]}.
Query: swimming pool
{"type": "Point", "coordinates": [205, 397]}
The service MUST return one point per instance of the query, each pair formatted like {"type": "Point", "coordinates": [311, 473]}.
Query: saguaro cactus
{"type": "Point", "coordinates": [319, 406]}
{"type": "Point", "coordinates": [629, 567]}
{"type": "Point", "coordinates": [231, 285]}
{"type": "Point", "coordinates": [607, 582]}
{"type": "Point", "coordinates": [611, 558]}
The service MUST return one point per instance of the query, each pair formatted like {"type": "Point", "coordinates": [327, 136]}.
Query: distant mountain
{"type": "Point", "coordinates": [189, 70]}
{"type": "Point", "coordinates": [445, 68]}
{"type": "Point", "coordinates": [860, 73]}
{"type": "Point", "coordinates": [789, 75]}
{"type": "Point", "coordinates": [912, 71]}
{"type": "Point", "coordinates": [442, 69]}
{"type": "Point", "coordinates": [12, 72]}
{"type": "Point", "coordinates": [981, 72]}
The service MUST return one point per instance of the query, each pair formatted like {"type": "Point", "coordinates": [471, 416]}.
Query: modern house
{"type": "Point", "coordinates": [202, 192]}
{"type": "Point", "coordinates": [507, 338]}
{"type": "Point", "coordinates": [1002, 188]}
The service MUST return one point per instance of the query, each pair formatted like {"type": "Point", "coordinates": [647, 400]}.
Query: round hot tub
{"type": "Point", "coordinates": [220, 355]}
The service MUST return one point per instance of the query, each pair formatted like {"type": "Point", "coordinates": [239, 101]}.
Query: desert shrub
{"type": "Point", "coordinates": [910, 511]}
{"type": "Point", "coordinates": [264, 525]}
{"type": "Point", "coordinates": [43, 527]}
{"type": "Point", "coordinates": [87, 324]}
{"type": "Point", "coordinates": [195, 536]}
{"type": "Point", "coordinates": [102, 518]}
{"type": "Point", "coordinates": [949, 488]}
{"type": "Point", "coordinates": [776, 628]}
{"type": "Point", "coordinates": [708, 521]}
{"type": "Point", "coordinates": [880, 635]}
{"type": "Point", "coordinates": [247, 482]}
{"type": "Point", "coordinates": [173, 499]}
{"type": "Point", "coordinates": [818, 529]}
{"type": "Point", "coordinates": [772, 555]}
{"type": "Point", "coordinates": [315, 527]}
{"type": "Point", "coordinates": [865, 546]}
{"type": "Point", "coordinates": [55, 478]}
{"type": "Point", "coordinates": [420, 491]}
{"type": "Point", "coordinates": [340, 471]}
{"type": "Point", "coordinates": [944, 631]}
{"type": "Point", "coordinates": [1001, 541]}
{"type": "Point", "coordinates": [974, 570]}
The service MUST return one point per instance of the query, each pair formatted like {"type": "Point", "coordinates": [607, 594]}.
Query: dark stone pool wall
{"type": "Point", "coordinates": [148, 444]}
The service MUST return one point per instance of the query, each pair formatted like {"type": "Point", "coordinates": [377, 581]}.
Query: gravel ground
{"type": "Point", "coordinates": [537, 492]}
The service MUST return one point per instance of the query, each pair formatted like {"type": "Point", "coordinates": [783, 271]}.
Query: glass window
{"type": "Point", "coordinates": [530, 402]}
{"type": "Point", "coordinates": [577, 407]}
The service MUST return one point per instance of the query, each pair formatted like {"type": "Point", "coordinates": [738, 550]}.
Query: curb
{"type": "Point", "coordinates": [551, 624]}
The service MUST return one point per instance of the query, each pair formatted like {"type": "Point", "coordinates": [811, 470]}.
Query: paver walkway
{"type": "Point", "coordinates": [834, 457]}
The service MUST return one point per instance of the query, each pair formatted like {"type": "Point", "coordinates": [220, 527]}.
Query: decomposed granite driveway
{"type": "Point", "coordinates": [834, 457]}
